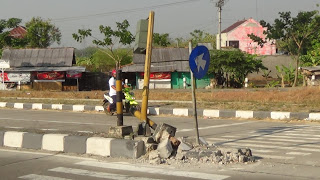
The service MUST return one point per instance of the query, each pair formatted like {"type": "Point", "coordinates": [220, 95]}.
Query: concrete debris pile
{"type": "Point", "coordinates": [165, 149]}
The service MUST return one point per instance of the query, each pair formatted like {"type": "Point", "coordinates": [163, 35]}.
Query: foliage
{"type": "Point", "coordinates": [86, 52]}
{"type": "Point", "coordinates": [294, 33]}
{"type": "Point", "coordinates": [199, 36]}
{"type": "Point", "coordinates": [286, 74]}
{"type": "Point", "coordinates": [41, 33]}
{"type": "Point", "coordinates": [5, 39]}
{"type": "Point", "coordinates": [101, 62]}
{"type": "Point", "coordinates": [120, 36]}
{"type": "Point", "coordinates": [232, 67]}
{"type": "Point", "coordinates": [272, 84]}
{"type": "Point", "coordinates": [313, 56]}
{"type": "Point", "coordinates": [161, 39]}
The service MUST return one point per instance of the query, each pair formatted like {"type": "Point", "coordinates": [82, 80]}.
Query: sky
{"type": "Point", "coordinates": [176, 17]}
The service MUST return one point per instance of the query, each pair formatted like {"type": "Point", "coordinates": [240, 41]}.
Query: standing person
{"type": "Point", "coordinates": [112, 90]}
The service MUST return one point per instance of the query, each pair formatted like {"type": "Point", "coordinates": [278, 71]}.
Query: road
{"type": "Point", "coordinates": [283, 150]}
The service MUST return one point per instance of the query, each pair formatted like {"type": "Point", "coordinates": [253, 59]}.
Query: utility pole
{"type": "Point", "coordinates": [219, 5]}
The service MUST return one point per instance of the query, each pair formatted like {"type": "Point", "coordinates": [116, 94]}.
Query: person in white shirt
{"type": "Point", "coordinates": [112, 91]}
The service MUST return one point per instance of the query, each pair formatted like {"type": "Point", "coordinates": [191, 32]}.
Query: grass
{"type": "Point", "coordinates": [303, 99]}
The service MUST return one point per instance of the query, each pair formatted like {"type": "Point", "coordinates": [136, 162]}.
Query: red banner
{"type": "Point", "coordinates": [74, 74]}
{"type": "Point", "coordinates": [50, 75]}
{"type": "Point", "coordinates": [158, 75]}
{"type": "Point", "coordinates": [5, 77]}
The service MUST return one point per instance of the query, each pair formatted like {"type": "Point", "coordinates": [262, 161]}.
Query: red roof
{"type": "Point", "coordinates": [233, 26]}
{"type": "Point", "coordinates": [18, 32]}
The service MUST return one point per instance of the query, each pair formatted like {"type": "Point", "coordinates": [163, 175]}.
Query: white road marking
{"type": "Point", "coordinates": [273, 147]}
{"type": "Point", "coordinates": [96, 174]}
{"type": "Point", "coordinates": [153, 170]}
{"type": "Point", "coordinates": [265, 141]}
{"type": "Point", "coordinates": [13, 127]}
{"type": "Point", "coordinates": [216, 126]}
{"type": "Point", "coordinates": [261, 150]}
{"type": "Point", "coordinates": [41, 177]}
{"type": "Point", "coordinates": [85, 132]}
{"type": "Point", "coordinates": [273, 156]}
{"type": "Point", "coordinates": [298, 153]}
{"type": "Point", "coordinates": [49, 129]}
{"type": "Point", "coordinates": [288, 137]}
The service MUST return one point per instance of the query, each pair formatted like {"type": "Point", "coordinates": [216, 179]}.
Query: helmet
{"type": "Point", "coordinates": [113, 72]}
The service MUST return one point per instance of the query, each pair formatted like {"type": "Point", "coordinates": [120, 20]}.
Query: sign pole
{"type": "Point", "coordinates": [193, 84]}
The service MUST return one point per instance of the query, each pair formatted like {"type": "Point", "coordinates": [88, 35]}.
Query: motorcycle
{"type": "Point", "coordinates": [128, 103]}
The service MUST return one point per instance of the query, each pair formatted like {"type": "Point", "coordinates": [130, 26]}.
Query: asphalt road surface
{"type": "Point", "coordinates": [283, 150]}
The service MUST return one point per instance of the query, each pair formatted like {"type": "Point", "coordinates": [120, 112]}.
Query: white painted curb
{"type": "Point", "coordinates": [57, 106]}
{"type": "Point", "coordinates": [78, 108]}
{"type": "Point", "coordinates": [314, 116]}
{"type": "Point", "coordinates": [36, 106]}
{"type": "Point", "coordinates": [99, 108]}
{"type": "Point", "coordinates": [3, 104]}
{"type": "Point", "coordinates": [18, 105]}
{"type": "Point", "coordinates": [180, 112]}
{"type": "Point", "coordinates": [211, 113]}
{"type": "Point", "coordinates": [13, 139]}
{"type": "Point", "coordinates": [99, 146]}
{"type": "Point", "coordinates": [280, 115]}
{"type": "Point", "coordinates": [53, 142]}
{"type": "Point", "coordinates": [244, 114]}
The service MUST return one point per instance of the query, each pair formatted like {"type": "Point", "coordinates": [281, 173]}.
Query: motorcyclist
{"type": "Point", "coordinates": [112, 91]}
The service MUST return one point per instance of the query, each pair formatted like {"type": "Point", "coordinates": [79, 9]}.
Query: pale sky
{"type": "Point", "coordinates": [176, 17]}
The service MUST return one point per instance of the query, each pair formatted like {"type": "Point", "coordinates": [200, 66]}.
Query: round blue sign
{"type": "Point", "coordinates": [199, 61]}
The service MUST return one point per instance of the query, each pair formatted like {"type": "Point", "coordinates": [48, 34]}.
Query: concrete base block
{"type": "Point", "coordinates": [53, 142]}
{"type": "Point", "coordinates": [127, 148]}
{"type": "Point", "coordinates": [99, 146]}
{"type": "Point", "coordinates": [75, 144]}
{"type": "Point", "coordinates": [32, 141]}
{"type": "Point", "coordinates": [120, 131]}
{"type": "Point", "coordinates": [1, 138]}
{"type": "Point", "coordinates": [13, 139]}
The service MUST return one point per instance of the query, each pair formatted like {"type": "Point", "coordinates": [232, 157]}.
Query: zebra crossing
{"type": "Point", "coordinates": [145, 172]}
{"type": "Point", "coordinates": [281, 143]}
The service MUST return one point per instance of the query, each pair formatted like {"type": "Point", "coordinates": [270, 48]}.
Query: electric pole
{"type": "Point", "coordinates": [219, 5]}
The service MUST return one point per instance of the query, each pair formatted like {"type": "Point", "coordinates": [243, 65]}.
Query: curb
{"type": "Point", "coordinates": [210, 113]}
{"type": "Point", "coordinates": [107, 147]}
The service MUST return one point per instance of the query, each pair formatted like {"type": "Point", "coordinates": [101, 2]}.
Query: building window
{"type": "Point", "coordinates": [234, 44]}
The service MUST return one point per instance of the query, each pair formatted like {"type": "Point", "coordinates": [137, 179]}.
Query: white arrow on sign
{"type": "Point", "coordinates": [200, 62]}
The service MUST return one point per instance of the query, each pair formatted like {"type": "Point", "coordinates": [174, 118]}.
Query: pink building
{"type": "Point", "coordinates": [237, 36]}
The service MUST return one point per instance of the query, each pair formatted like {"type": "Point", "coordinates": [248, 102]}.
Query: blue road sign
{"type": "Point", "coordinates": [199, 61]}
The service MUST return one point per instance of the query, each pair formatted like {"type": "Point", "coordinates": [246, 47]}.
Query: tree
{"type": "Point", "coordinates": [42, 33]}
{"type": "Point", "coordinates": [121, 36]}
{"type": "Point", "coordinates": [295, 34]}
{"type": "Point", "coordinates": [199, 36]}
{"type": "Point", "coordinates": [5, 39]}
{"type": "Point", "coordinates": [161, 39]}
{"type": "Point", "coordinates": [233, 66]}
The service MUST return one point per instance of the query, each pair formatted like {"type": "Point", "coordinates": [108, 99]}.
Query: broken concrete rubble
{"type": "Point", "coordinates": [189, 152]}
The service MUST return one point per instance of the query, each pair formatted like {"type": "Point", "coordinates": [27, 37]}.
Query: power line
{"type": "Point", "coordinates": [121, 11]}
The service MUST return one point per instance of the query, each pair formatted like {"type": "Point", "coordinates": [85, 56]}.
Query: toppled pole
{"type": "Point", "coordinates": [145, 93]}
